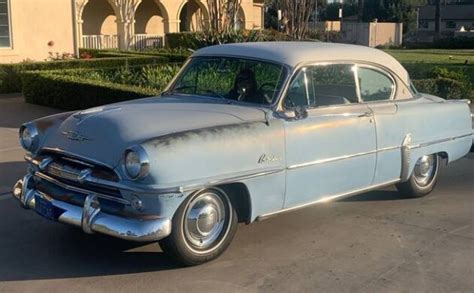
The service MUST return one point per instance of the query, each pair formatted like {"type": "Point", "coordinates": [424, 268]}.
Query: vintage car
{"type": "Point", "coordinates": [242, 133]}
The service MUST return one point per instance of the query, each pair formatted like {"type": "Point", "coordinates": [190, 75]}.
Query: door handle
{"type": "Point", "coordinates": [365, 114]}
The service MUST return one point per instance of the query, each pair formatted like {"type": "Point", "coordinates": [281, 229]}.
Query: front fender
{"type": "Point", "coordinates": [203, 156]}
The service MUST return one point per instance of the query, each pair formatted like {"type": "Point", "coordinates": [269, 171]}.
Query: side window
{"type": "Point", "coordinates": [300, 91]}
{"type": "Point", "coordinates": [323, 85]}
{"type": "Point", "coordinates": [374, 85]}
{"type": "Point", "coordinates": [333, 84]}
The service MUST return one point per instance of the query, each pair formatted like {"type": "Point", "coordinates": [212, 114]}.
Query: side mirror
{"type": "Point", "coordinates": [297, 113]}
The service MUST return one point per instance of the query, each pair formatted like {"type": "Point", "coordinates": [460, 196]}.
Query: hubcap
{"type": "Point", "coordinates": [204, 221]}
{"type": "Point", "coordinates": [424, 170]}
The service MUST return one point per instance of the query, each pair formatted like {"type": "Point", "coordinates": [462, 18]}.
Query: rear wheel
{"type": "Point", "coordinates": [202, 227]}
{"type": "Point", "coordinates": [424, 177]}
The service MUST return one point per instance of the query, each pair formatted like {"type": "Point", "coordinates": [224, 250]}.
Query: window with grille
{"type": "Point", "coordinates": [5, 40]}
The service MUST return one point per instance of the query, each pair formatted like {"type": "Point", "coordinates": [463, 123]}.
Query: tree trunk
{"type": "Point", "coordinates": [438, 20]}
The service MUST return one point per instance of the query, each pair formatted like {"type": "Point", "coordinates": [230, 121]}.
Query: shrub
{"type": "Point", "coordinates": [70, 93]}
{"type": "Point", "coordinates": [196, 40]}
{"type": "Point", "coordinates": [10, 74]}
{"type": "Point", "coordinates": [445, 87]}
{"type": "Point", "coordinates": [443, 72]}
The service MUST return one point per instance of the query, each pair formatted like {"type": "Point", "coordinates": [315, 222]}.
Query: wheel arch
{"type": "Point", "coordinates": [239, 196]}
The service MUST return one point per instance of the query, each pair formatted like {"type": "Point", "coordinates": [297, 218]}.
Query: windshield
{"type": "Point", "coordinates": [231, 79]}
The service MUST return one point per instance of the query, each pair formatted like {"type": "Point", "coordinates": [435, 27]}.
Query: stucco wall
{"type": "Point", "coordinates": [36, 23]}
{"type": "Point", "coordinates": [372, 34]}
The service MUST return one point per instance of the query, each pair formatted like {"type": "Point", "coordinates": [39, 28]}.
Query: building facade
{"type": "Point", "coordinates": [453, 17]}
{"type": "Point", "coordinates": [30, 29]}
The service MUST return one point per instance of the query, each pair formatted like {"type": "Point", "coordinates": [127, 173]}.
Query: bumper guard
{"type": "Point", "coordinates": [91, 219]}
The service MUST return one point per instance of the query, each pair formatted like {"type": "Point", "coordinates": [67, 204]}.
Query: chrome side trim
{"type": "Point", "coordinates": [428, 143]}
{"type": "Point", "coordinates": [333, 159]}
{"type": "Point", "coordinates": [406, 158]}
{"type": "Point", "coordinates": [327, 199]}
{"type": "Point", "coordinates": [148, 189]}
{"type": "Point", "coordinates": [80, 190]}
{"type": "Point", "coordinates": [231, 179]}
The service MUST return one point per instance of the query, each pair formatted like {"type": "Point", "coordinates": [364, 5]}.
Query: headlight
{"type": "Point", "coordinates": [136, 163]}
{"type": "Point", "coordinates": [29, 138]}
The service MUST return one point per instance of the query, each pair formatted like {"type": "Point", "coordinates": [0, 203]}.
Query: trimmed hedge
{"type": "Point", "coordinates": [52, 89]}
{"type": "Point", "coordinates": [172, 55]}
{"type": "Point", "coordinates": [10, 74]}
{"type": "Point", "coordinates": [443, 43]}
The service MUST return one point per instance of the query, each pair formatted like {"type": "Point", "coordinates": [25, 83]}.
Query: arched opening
{"type": "Point", "coordinates": [99, 27]}
{"type": "Point", "coordinates": [193, 17]}
{"type": "Point", "coordinates": [150, 19]}
{"type": "Point", "coordinates": [98, 18]}
{"type": "Point", "coordinates": [239, 22]}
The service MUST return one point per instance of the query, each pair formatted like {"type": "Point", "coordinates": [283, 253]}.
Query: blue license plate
{"type": "Point", "coordinates": [45, 208]}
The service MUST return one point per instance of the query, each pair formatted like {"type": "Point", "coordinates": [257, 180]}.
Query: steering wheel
{"type": "Point", "coordinates": [270, 88]}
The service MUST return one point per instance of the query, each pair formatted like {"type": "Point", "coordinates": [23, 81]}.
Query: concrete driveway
{"type": "Point", "coordinates": [375, 242]}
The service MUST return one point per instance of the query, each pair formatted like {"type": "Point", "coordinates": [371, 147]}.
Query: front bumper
{"type": "Point", "coordinates": [90, 217]}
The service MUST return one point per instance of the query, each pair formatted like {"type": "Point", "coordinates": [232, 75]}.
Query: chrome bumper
{"type": "Point", "coordinates": [91, 219]}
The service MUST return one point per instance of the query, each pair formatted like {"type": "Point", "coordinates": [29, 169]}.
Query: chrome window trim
{"type": "Point", "coordinates": [287, 71]}
{"type": "Point", "coordinates": [279, 105]}
{"type": "Point", "coordinates": [383, 72]}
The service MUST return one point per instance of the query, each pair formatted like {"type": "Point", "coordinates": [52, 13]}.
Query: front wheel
{"type": "Point", "coordinates": [202, 227]}
{"type": "Point", "coordinates": [424, 177]}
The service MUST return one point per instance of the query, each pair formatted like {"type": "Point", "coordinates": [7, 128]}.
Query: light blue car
{"type": "Point", "coordinates": [242, 133]}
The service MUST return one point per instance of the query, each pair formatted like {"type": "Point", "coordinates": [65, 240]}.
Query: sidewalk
{"type": "Point", "coordinates": [14, 112]}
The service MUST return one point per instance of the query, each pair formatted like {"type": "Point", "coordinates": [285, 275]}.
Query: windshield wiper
{"type": "Point", "coordinates": [228, 101]}
{"type": "Point", "coordinates": [173, 91]}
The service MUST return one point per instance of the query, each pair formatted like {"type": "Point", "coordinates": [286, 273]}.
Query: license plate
{"type": "Point", "coordinates": [45, 208]}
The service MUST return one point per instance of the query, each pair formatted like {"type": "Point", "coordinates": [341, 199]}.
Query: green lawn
{"type": "Point", "coordinates": [438, 56]}
{"type": "Point", "coordinates": [420, 63]}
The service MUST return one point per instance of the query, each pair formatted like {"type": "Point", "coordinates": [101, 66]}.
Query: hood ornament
{"type": "Point", "coordinates": [73, 135]}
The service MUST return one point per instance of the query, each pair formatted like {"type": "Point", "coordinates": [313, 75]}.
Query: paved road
{"type": "Point", "coordinates": [375, 242]}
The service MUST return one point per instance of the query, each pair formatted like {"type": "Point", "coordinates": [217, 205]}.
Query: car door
{"type": "Point", "coordinates": [329, 145]}
{"type": "Point", "coordinates": [377, 91]}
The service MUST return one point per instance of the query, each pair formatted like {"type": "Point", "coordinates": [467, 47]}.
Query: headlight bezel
{"type": "Point", "coordinates": [34, 137]}
{"type": "Point", "coordinates": [143, 161]}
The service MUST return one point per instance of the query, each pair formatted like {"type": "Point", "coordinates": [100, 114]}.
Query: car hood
{"type": "Point", "coordinates": [103, 133]}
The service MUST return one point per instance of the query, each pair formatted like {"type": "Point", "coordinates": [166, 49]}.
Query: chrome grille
{"type": "Point", "coordinates": [63, 171]}
{"type": "Point", "coordinates": [74, 172]}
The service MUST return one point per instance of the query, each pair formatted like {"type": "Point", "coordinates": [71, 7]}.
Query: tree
{"type": "Point", "coordinates": [296, 15]}
{"type": "Point", "coordinates": [438, 19]}
{"type": "Point", "coordinates": [223, 14]}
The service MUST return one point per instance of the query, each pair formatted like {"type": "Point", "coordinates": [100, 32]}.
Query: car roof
{"type": "Point", "coordinates": [296, 53]}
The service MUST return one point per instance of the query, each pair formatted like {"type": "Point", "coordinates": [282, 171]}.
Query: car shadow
{"type": "Point", "coordinates": [10, 172]}
{"type": "Point", "coordinates": [69, 253]}
{"type": "Point", "coordinates": [33, 248]}
{"type": "Point", "coordinates": [377, 195]}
